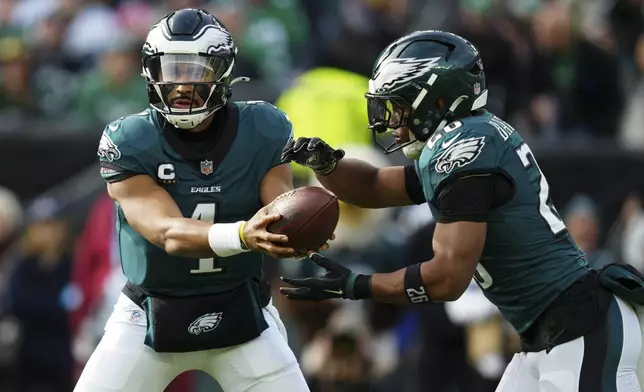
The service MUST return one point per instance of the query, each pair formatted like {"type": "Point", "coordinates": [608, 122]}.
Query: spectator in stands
{"type": "Point", "coordinates": [583, 222]}
{"type": "Point", "coordinates": [633, 231]}
{"type": "Point", "coordinates": [95, 261]}
{"type": "Point", "coordinates": [271, 35]}
{"type": "Point", "coordinates": [16, 100]}
{"type": "Point", "coordinates": [36, 296]}
{"type": "Point", "coordinates": [625, 21]}
{"type": "Point", "coordinates": [116, 88]}
{"type": "Point", "coordinates": [492, 34]}
{"type": "Point", "coordinates": [338, 358]}
{"type": "Point", "coordinates": [587, 105]}
{"type": "Point", "coordinates": [10, 216]}
{"type": "Point", "coordinates": [632, 128]}
{"type": "Point", "coordinates": [55, 73]}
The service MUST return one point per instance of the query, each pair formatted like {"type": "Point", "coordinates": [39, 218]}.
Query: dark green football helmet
{"type": "Point", "coordinates": [424, 81]}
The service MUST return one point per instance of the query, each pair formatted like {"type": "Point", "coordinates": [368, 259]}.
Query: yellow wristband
{"type": "Point", "coordinates": [241, 235]}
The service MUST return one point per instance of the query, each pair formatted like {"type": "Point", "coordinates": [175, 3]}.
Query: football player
{"type": "Point", "coordinates": [189, 177]}
{"type": "Point", "coordinates": [495, 221]}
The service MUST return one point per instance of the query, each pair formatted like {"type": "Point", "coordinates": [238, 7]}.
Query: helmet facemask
{"type": "Point", "coordinates": [385, 114]}
{"type": "Point", "coordinates": [187, 88]}
{"type": "Point", "coordinates": [421, 117]}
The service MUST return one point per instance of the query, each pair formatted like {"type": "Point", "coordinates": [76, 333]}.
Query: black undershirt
{"type": "Point", "coordinates": [213, 143]}
{"type": "Point", "coordinates": [468, 198]}
{"type": "Point", "coordinates": [198, 142]}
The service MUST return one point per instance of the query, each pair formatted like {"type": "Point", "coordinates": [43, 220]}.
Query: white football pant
{"type": "Point", "coordinates": [121, 362]}
{"type": "Point", "coordinates": [602, 361]}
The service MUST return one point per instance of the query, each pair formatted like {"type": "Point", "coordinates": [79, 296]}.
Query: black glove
{"type": "Point", "coordinates": [313, 153]}
{"type": "Point", "coordinates": [337, 282]}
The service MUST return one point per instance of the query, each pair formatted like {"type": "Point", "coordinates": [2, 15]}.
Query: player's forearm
{"type": "Point", "coordinates": [185, 238]}
{"type": "Point", "coordinates": [440, 284]}
{"type": "Point", "coordinates": [353, 182]}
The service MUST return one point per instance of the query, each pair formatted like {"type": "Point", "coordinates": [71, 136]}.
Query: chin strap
{"type": "Point", "coordinates": [448, 118]}
{"type": "Point", "coordinates": [229, 92]}
{"type": "Point", "coordinates": [240, 79]}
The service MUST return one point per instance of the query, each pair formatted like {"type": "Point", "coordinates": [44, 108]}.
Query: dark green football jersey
{"type": "Point", "coordinates": [529, 258]}
{"type": "Point", "coordinates": [222, 189]}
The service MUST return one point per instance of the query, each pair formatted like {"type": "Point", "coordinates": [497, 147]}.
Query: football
{"type": "Point", "coordinates": [309, 216]}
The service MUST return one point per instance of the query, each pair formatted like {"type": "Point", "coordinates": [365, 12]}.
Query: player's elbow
{"type": "Point", "coordinates": [173, 247]}
{"type": "Point", "coordinates": [451, 284]}
{"type": "Point", "coordinates": [166, 239]}
{"type": "Point", "coordinates": [165, 242]}
{"type": "Point", "coordinates": [454, 289]}
{"type": "Point", "coordinates": [449, 289]}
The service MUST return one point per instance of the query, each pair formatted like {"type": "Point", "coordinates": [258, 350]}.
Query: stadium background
{"type": "Point", "coordinates": [567, 74]}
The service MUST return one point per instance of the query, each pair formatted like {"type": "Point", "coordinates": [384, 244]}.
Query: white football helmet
{"type": "Point", "coordinates": [188, 59]}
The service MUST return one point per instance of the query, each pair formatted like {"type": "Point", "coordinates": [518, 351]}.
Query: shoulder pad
{"type": "Point", "coordinates": [489, 126]}
{"type": "Point", "coordinates": [123, 142]}
{"type": "Point", "coordinates": [137, 129]}
{"type": "Point", "coordinates": [271, 125]}
{"type": "Point", "coordinates": [460, 147]}
{"type": "Point", "coordinates": [269, 121]}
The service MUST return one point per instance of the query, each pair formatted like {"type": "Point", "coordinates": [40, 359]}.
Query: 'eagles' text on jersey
{"type": "Point", "coordinates": [214, 193]}
{"type": "Point", "coordinates": [529, 257]}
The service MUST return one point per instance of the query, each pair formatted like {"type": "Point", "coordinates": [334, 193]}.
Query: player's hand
{"type": "Point", "coordinates": [337, 282]}
{"type": "Point", "coordinates": [313, 153]}
{"type": "Point", "coordinates": [323, 248]}
{"type": "Point", "coordinates": [259, 239]}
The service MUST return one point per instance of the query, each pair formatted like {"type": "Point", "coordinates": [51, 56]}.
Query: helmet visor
{"type": "Point", "coordinates": [187, 68]}
{"type": "Point", "coordinates": [187, 83]}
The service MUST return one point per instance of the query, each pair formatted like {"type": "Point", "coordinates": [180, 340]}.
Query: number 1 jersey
{"type": "Point", "coordinates": [529, 258]}
{"type": "Point", "coordinates": [222, 188]}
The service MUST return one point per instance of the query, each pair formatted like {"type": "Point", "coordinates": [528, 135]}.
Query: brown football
{"type": "Point", "coordinates": [309, 217]}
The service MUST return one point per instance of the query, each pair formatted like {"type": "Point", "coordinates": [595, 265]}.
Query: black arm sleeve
{"type": "Point", "coordinates": [114, 173]}
{"type": "Point", "coordinates": [470, 198]}
{"type": "Point", "coordinates": [413, 185]}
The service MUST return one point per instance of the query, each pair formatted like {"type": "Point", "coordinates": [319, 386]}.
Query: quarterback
{"type": "Point", "coordinates": [495, 222]}
{"type": "Point", "coordinates": [190, 177]}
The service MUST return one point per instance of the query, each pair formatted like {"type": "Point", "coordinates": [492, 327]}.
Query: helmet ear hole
{"type": "Point", "coordinates": [439, 104]}
{"type": "Point", "coordinates": [476, 69]}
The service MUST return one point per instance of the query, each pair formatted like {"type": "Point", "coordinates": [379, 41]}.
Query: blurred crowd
{"type": "Point", "coordinates": [550, 64]}
{"type": "Point", "coordinates": [566, 73]}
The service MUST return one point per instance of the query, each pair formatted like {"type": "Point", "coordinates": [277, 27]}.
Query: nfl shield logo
{"type": "Point", "coordinates": [136, 316]}
{"type": "Point", "coordinates": [477, 88]}
{"type": "Point", "coordinates": [206, 167]}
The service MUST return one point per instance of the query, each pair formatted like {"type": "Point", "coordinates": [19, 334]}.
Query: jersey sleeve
{"type": "Point", "coordinates": [118, 157]}
{"type": "Point", "coordinates": [413, 185]}
{"type": "Point", "coordinates": [276, 129]}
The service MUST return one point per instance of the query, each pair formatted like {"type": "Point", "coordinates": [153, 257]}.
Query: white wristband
{"type": "Point", "coordinates": [224, 239]}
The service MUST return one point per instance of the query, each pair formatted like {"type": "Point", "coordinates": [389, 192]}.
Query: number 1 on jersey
{"type": "Point", "coordinates": [206, 212]}
{"type": "Point", "coordinates": [546, 209]}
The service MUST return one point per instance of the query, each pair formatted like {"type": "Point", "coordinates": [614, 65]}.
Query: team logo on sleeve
{"type": "Point", "coordinates": [205, 323]}
{"type": "Point", "coordinates": [459, 154]}
{"type": "Point", "coordinates": [107, 149]}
